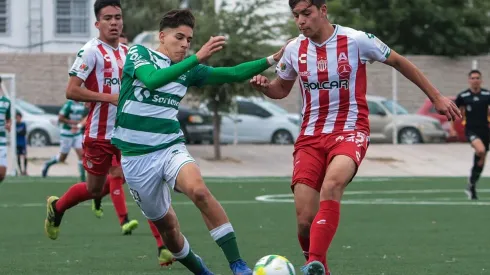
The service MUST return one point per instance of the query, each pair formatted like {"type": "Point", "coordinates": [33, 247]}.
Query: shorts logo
{"type": "Point", "coordinates": [89, 164]}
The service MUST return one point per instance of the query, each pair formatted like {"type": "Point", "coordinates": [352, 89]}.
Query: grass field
{"type": "Point", "coordinates": [388, 226]}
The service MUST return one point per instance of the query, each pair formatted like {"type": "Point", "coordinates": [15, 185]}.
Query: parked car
{"type": "Point", "coordinates": [196, 125]}
{"type": "Point", "coordinates": [256, 120]}
{"type": "Point", "coordinates": [428, 109]}
{"type": "Point", "coordinates": [411, 128]}
{"type": "Point", "coordinates": [42, 128]}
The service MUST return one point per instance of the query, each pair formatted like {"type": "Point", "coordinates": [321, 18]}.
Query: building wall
{"type": "Point", "coordinates": [17, 39]}
{"type": "Point", "coordinates": [42, 78]}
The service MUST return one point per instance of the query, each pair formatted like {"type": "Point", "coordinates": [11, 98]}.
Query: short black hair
{"type": "Point", "coordinates": [100, 4]}
{"type": "Point", "coordinates": [18, 114]}
{"type": "Point", "coordinates": [176, 18]}
{"type": "Point", "coordinates": [474, 72]}
{"type": "Point", "coordinates": [316, 3]}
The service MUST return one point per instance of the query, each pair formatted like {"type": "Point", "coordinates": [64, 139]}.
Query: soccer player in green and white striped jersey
{"type": "Point", "coordinates": [4, 124]}
{"type": "Point", "coordinates": [70, 116]}
{"type": "Point", "coordinates": [152, 144]}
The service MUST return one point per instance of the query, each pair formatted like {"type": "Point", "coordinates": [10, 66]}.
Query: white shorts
{"type": "Point", "coordinates": [66, 143]}
{"type": "Point", "coordinates": [150, 178]}
{"type": "Point", "coordinates": [3, 156]}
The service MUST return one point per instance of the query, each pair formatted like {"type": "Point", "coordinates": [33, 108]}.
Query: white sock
{"type": "Point", "coordinates": [184, 252]}
{"type": "Point", "coordinates": [221, 231]}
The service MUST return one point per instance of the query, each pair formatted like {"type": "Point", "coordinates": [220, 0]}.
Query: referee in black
{"type": "Point", "coordinates": [473, 104]}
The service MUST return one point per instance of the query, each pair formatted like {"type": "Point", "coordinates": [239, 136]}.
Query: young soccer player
{"type": "Point", "coordinates": [330, 61]}
{"type": "Point", "coordinates": [69, 118]}
{"type": "Point", "coordinates": [21, 143]}
{"type": "Point", "coordinates": [4, 125]}
{"type": "Point", "coordinates": [154, 157]}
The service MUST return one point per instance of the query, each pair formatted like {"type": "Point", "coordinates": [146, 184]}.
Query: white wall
{"type": "Point", "coordinates": [17, 39]}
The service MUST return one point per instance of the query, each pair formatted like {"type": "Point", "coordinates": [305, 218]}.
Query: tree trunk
{"type": "Point", "coordinates": [216, 131]}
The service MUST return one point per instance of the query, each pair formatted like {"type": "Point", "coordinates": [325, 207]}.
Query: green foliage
{"type": "Point", "coordinates": [423, 27]}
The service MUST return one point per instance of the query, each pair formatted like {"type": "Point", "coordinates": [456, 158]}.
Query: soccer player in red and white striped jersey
{"type": "Point", "coordinates": [330, 61]}
{"type": "Point", "coordinates": [95, 77]}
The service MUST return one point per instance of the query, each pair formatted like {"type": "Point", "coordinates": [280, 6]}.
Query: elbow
{"type": "Point", "coordinates": [69, 93]}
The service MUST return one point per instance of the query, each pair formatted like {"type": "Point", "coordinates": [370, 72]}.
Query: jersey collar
{"type": "Point", "coordinates": [102, 42]}
{"type": "Point", "coordinates": [329, 39]}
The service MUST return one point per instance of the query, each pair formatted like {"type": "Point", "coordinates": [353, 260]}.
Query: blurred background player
{"type": "Point", "coordinates": [473, 104]}
{"type": "Point", "coordinates": [70, 117]}
{"type": "Point", "coordinates": [21, 143]}
{"type": "Point", "coordinates": [331, 62]}
{"type": "Point", "coordinates": [4, 127]}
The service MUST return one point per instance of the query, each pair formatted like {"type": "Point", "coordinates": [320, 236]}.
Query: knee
{"type": "Point", "coordinates": [480, 153]}
{"type": "Point", "coordinates": [332, 189]}
{"type": "Point", "coordinates": [200, 195]}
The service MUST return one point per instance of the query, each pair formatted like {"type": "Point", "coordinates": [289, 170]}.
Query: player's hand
{"type": "Point", "coordinates": [452, 133]}
{"type": "Point", "coordinates": [114, 99]}
{"type": "Point", "coordinates": [213, 45]}
{"type": "Point", "coordinates": [277, 56]}
{"type": "Point", "coordinates": [447, 107]}
{"type": "Point", "coordinates": [260, 83]}
{"type": "Point", "coordinates": [75, 129]}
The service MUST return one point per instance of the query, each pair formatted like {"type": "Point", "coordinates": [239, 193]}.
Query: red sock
{"type": "Point", "coordinates": [76, 194]}
{"type": "Point", "coordinates": [323, 230]}
{"type": "Point", "coordinates": [305, 245]}
{"type": "Point", "coordinates": [118, 198]}
{"type": "Point", "coordinates": [156, 234]}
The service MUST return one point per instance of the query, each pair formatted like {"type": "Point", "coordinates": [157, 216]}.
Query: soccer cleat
{"type": "Point", "coordinates": [471, 192]}
{"type": "Point", "coordinates": [165, 257]}
{"type": "Point", "coordinates": [53, 219]}
{"type": "Point", "coordinates": [206, 270]}
{"type": "Point", "coordinates": [98, 212]}
{"type": "Point", "coordinates": [127, 228]}
{"type": "Point", "coordinates": [313, 268]}
{"type": "Point", "coordinates": [239, 267]}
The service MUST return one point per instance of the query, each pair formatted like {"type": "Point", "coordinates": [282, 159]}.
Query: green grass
{"type": "Point", "coordinates": [380, 232]}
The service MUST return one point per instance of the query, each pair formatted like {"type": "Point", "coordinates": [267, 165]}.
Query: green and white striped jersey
{"type": "Point", "coordinates": [146, 119]}
{"type": "Point", "coordinates": [75, 111]}
{"type": "Point", "coordinates": [4, 116]}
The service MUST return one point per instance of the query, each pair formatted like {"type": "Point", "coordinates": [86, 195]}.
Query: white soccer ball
{"type": "Point", "coordinates": [273, 265]}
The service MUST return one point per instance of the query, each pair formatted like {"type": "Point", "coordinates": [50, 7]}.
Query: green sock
{"type": "Point", "coordinates": [189, 260]}
{"type": "Point", "coordinates": [82, 171]}
{"type": "Point", "coordinates": [229, 246]}
{"type": "Point", "coordinates": [54, 160]}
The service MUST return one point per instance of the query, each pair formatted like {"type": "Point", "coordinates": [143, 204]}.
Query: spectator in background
{"type": "Point", "coordinates": [21, 143]}
{"type": "Point", "coordinates": [123, 39]}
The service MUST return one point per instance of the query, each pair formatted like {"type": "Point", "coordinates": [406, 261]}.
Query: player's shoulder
{"type": "Point", "coordinates": [124, 47]}
{"type": "Point", "coordinates": [4, 99]}
{"type": "Point", "coordinates": [352, 33]}
{"type": "Point", "coordinates": [295, 43]}
{"type": "Point", "coordinates": [485, 92]}
{"type": "Point", "coordinates": [465, 93]}
{"type": "Point", "coordinates": [137, 48]}
{"type": "Point", "coordinates": [89, 48]}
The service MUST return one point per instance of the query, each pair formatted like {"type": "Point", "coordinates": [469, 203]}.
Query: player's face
{"type": "Point", "coordinates": [176, 42]}
{"type": "Point", "coordinates": [475, 81]}
{"type": "Point", "coordinates": [110, 23]}
{"type": "Point", "coordinates": [309, 18]}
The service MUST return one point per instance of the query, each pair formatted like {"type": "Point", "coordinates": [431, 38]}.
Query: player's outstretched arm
{"type": "Point", "coordinates": [76, 92]}
{"type": "Point", "coordinates": [156, 78]}
{"type": "Point", "coordinates": [276, 89]}
{"type": "Point", "coordinates": [442, 104]}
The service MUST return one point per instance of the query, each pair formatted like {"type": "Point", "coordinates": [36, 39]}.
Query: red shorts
{"type": "Point", "coordinates": [100, 156]}
{"type": "Point", "coordinates": [311, 159]}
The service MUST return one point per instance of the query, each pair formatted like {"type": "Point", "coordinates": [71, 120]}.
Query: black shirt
{"type": "Point", "coordinates": [476, 108]}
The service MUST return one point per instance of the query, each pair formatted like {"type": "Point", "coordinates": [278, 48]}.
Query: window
{"type": "Point", "coordinates": [4, 18]}
{"type": "Point", "coordinates": [375, 109]}
{"type": "Point", "coordinates": [251, 109]}
{"type": "Point", "coordinates": [72, 17]}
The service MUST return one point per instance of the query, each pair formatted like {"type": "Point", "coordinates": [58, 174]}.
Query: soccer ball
{"type": "Point", "coordinates": [274, 265]}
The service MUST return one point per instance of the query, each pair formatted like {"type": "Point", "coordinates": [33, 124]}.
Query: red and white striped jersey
{"type": "Point", "coordinates": [332, 78]}
{"type": "Point", "coordinates": [100, 67]}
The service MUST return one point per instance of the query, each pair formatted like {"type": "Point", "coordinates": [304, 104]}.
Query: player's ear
{"type": "Point", "coordinates": [323, 10]}
{"type": "Point", "coordinates": [97, 24]}
{"type": "Point", "coordinates": [161, 36]}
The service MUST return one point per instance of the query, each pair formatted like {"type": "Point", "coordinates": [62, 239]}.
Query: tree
{"type": "Point", "coordinates": [423, 27]}
{"type": "Point", "coordinates": [247, 34]}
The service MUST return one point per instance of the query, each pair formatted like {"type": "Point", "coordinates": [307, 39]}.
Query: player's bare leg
{"type": "Point", "coordinates": [81, 169]}
{"type": "Point", "coordinates": [189, 181]}
{"type": "Point", "coordinates": [169, 229]}
{"type": "Point", "coordinates": [307, 203]}
{"type": "Point", "coordinates": [339, 173]}
{"type": "Point", "coordinates": [476, 170]}
{"type": "Point", "coordinates": [3, 173]}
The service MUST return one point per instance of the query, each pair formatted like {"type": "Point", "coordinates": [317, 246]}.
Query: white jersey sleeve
{"type": "Point", "coordinates": [371, 48]}
{"type": "Point", "coordinates": [84, 63]}
{"type": "Point", "coordinates": [284, 68]}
